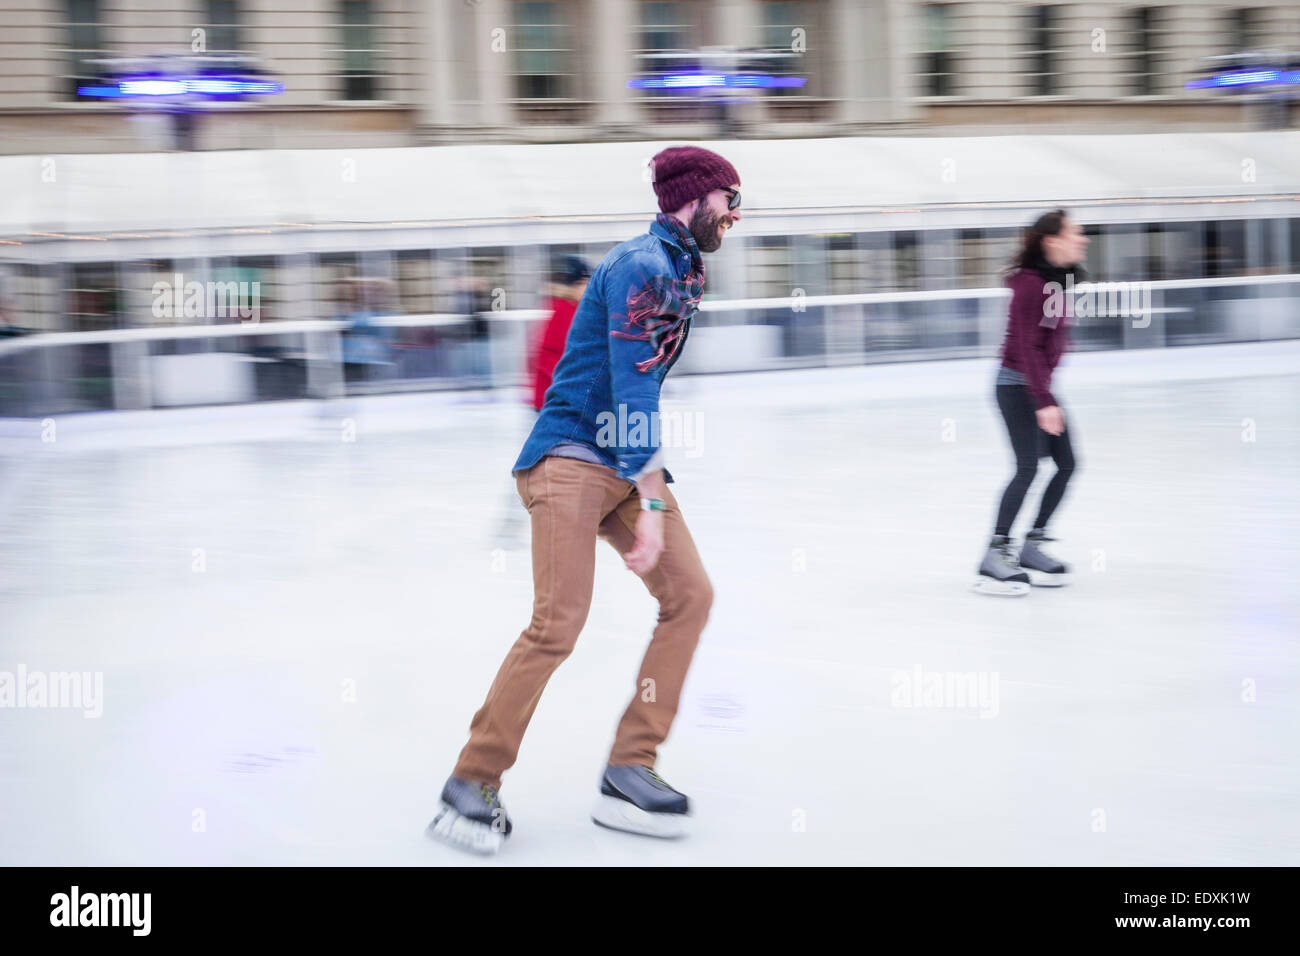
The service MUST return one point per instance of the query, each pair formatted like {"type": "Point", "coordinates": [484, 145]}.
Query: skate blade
{"type": "Point", "coordinates": [995, 588]}
{"type": "Point", "coordinates": [451, 828]}
{"type": "Point", "coordinates": [618, 814]}
{"type": "Point", "coordinates": [1042, 579]}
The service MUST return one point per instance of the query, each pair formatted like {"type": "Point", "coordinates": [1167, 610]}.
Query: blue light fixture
{"type": "Point", "coordinates": [695, 81]}
{"type": "Point", "coordinates": [1234, 78]}
{"type": "Point", "coordinates": [212, 86]}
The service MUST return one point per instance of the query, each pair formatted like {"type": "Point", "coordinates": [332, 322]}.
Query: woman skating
{"type": "Point", "coordinates": [1036, 337]}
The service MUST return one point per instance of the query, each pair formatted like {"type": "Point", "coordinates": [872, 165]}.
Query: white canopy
{"type": "Point", "coordinates": [101, 193]}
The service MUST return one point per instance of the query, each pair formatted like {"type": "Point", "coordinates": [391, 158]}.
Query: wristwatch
{"type": "Point", "coordinates": [653, 504]}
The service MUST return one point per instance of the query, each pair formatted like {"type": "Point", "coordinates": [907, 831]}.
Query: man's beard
{"type": "Point", "coordinates": [704, 227]}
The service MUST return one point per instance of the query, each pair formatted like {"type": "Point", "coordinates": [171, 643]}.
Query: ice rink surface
{"type": "Point", "coordinates": [294, 629]}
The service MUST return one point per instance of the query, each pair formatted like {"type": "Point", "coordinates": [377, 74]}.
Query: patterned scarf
{"type": "Point", "coordinates": [662, 309]}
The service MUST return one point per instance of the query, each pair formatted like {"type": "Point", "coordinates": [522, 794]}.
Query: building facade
{"type": "Point", "coordinates": [417, 72]}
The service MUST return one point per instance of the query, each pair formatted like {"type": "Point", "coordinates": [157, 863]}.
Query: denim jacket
{"type": "Point", "coordinates": [598, 396]}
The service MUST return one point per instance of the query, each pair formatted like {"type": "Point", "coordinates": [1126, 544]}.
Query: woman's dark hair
{"type": "Point", "coordinates": [1030, 254]}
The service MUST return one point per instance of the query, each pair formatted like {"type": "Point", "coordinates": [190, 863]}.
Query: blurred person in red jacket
{"type": "Point", "coordinates": [568, 283]}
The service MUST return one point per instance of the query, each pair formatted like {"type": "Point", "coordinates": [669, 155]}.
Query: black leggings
{"type": "Point", "coordinates": [1029, 442]}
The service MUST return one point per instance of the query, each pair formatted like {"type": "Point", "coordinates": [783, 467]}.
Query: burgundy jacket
{"type": "Point", "coordinates": [1035, 340]}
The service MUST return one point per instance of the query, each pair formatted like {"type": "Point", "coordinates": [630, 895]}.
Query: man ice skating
{"type": "Point", "coordinates": [579, 484]}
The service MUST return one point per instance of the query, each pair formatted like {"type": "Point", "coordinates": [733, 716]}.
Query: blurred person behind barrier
{"type": "Point", "coordinates": [8, 327]}
{"type": "Point", "coordinates": [366, 345]}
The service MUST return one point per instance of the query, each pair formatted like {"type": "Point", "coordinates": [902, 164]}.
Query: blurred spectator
{"type": "Point", "coordinates": [366, 346]}
{"type": "Point", "coordinates": [468, 345]}
{"type": "Point", "coordinates": [8, 327]}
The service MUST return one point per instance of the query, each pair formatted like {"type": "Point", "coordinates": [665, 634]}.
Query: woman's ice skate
{"type": "Point", "coordinates": [999, 572]}
{"type": "Point", "coordinates": [1044, 570]}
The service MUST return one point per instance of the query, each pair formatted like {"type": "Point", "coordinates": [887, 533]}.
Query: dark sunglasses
{"type": "Point", "coordinates": [733, 198]}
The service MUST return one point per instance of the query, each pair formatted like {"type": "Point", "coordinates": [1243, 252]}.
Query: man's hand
{"type": "Point", "coordinates": [1051, 420]}
{"type": "Point", "coordinates": [649, 545]}
{"type": "Point", "coordinates": [649, 526]}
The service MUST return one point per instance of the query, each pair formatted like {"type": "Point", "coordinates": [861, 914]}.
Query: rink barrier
{"type": "Point", "coordinates": [169, 366]}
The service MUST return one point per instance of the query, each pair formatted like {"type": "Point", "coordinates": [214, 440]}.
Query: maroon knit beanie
{"type": "Point", "coordinates": [685, 173]}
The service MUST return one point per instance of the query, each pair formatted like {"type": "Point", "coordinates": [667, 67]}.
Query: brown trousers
{"type": "Point", "coordinates": [571, 503]}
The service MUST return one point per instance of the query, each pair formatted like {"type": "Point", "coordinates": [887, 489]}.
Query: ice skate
{"type": "Point", "coordinates": [470, 817]}
{"type": "Point", "coordinates": [999, 573]}
{"type": "Point", "coordinates": [1044, 570]}
{"type": "Point", "coordinates": [638, 800]}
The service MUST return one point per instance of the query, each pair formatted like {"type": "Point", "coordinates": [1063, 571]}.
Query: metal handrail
{"type": "Point", "coordinates": [940, 295]}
